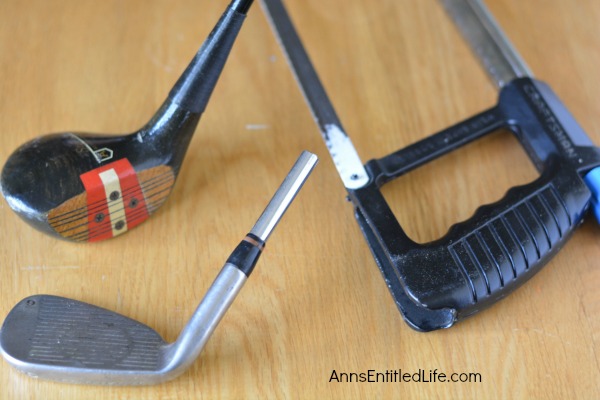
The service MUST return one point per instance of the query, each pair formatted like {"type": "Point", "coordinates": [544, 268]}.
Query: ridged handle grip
{"type": "Point", "coordinates": [495, 249]}
{"type": "Point", "coordinates": [483, 259]}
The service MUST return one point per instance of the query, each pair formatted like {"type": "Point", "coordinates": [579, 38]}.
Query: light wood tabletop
{"type": "Point", "coordinates": [316, 305]}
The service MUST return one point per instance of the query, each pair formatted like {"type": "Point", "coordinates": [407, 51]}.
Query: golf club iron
{"type": "Point", "coordinates": [480, 260]}
{"type": "Point", "coordinates": [91, 187]}
{"type": "Point", "coordinates": [69, 341]}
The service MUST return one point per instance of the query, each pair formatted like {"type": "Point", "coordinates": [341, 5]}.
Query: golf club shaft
{"type": "Point", "coordinates": [284, 196]}
{"type": "Point", "coordinates": [195, 86]}
{"type": "Point", "coordinates": [234, 274]}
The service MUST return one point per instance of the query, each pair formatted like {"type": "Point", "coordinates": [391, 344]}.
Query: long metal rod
{"type": "Point", "coordinates": [487, 40]}
{"type": "Point", "coordinates": [284, 196]}
{"type": "Point", "coordinates": [341, 149]}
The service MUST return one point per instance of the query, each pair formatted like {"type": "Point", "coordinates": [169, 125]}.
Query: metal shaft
{"type": "Point", "coordinates": [479, 28]}
{"type": "Point", "coordinates": [284, 195]}
{"type": "Point", "coordinates": [232, 277]}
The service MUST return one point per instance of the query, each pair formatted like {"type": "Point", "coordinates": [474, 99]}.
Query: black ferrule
{"type": "Point", "coordinates": [241, 6]}
{"type": "Point", "coordinates": [246, 254]}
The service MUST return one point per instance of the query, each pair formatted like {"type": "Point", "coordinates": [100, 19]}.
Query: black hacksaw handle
{"type": "Point", "coordinates": [482, 259]}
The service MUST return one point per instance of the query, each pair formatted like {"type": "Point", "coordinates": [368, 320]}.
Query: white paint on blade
{"type": "Point", "coordinates": [345, 157]}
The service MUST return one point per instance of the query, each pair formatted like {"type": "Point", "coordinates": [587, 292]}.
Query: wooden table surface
{"type": "Point", "coordinates": [397, 71]}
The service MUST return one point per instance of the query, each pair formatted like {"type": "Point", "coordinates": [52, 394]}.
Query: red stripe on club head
{"type": "Point", "coordinates": [99, 218]}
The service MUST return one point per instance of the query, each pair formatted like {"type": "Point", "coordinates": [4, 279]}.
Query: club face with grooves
{"type": "Point", "coordinates": [69, 341]}
{"type": "Point", "coordinates": [59, 326]}
{"type": "Point", "coordinates": [90, 187]}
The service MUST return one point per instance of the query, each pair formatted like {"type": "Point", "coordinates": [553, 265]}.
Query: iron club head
{"type": "Point", "coordinates": [91, 187]}
{"type": "Point", "coordinates": [66, 340]}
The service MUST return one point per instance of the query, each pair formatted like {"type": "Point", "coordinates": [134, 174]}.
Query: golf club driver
{"type": "Point", "coordinates": [91, 187]}
{"type": "Point", "coordinates": [69, 341]}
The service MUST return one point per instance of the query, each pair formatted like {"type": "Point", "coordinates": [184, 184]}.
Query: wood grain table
{"type": "Point", "coordinates": [317, 305]}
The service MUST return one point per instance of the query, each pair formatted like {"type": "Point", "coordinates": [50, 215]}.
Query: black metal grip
{"type": "Point", "coordinates": [482, 259]}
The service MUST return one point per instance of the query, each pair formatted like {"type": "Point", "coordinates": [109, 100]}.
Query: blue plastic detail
{"type": "Point", "coordinates": [592, 180]}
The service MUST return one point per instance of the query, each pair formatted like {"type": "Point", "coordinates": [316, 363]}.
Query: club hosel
{"type": "Point", "coordinates": [193, 89]}
{"type": "Point", "coordinates": [214, 305]}
{"type": "Point", "coordinates": [212, 308]}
